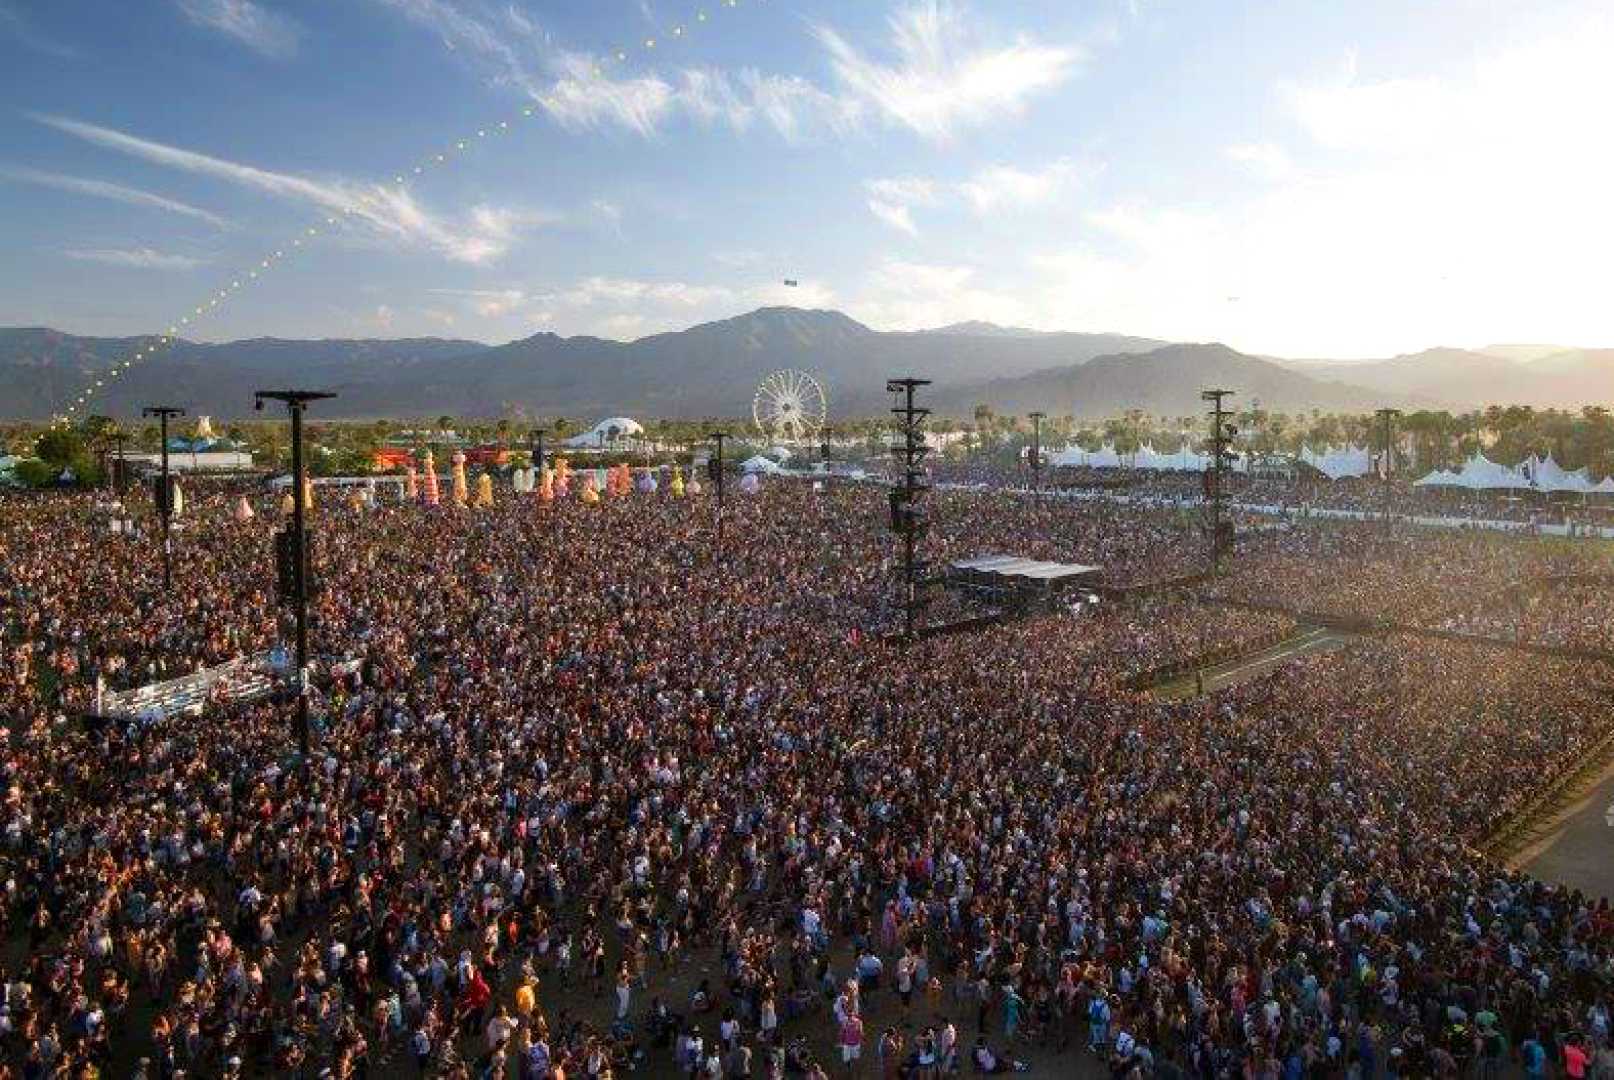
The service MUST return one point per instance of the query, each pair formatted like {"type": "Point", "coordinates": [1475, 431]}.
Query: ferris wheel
{"type": "Point", "coordinates": [789, 406]}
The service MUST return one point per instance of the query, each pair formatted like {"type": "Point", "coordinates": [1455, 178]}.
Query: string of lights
{"type": "Point", "coordinates": [333, 222]}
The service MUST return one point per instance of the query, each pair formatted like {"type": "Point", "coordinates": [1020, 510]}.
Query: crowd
{"type": "Point", "coordinates": [1572, 614]}
{"type": "Point", "coordinates": [598, 791]}
{"type": "Point", "coordinates": [1405, 577]}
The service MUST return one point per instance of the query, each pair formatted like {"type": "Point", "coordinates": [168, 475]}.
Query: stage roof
{"type": "Point", "coordinates": [1012, 566]}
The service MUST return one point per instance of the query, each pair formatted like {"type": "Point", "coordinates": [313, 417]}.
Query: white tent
{"type": "Point", "coordinates": [1337, 463]}
{"type": "Point", "coordinates": [759, 464]}
{"type": "Point", "coordinates": [1146, 458]}
{"type": "Point", "coordinates": [1479, 473]}
{"type": "Point", "coordinates": [1440, 478]}
{"type": "Point", "coordinates": [1547, 475]}
{"type": "Point", "coordinates": [610, 430]}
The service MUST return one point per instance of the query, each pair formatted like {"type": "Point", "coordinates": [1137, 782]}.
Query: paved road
{"type": "Point", "coordinates": [1581, 854]}
{"type": "Point", "coordinates": [1308, 640]}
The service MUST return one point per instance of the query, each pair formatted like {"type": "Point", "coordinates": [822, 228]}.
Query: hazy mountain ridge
{"type": "Point", "coordinates": [1166, 382]}
{"type": "Point", "coordinates": [712, 370]}
{"type": "Point", "coordinates": [707, 370]}
{"type": "Point", "coordinates": [1475, 378]}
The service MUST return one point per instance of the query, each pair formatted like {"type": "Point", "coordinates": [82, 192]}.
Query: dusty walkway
{"type": "Point", "coordinates": [1308, 639]}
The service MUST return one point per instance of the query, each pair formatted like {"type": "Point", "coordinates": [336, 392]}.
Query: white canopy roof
{"type": "Point", "coordinates": [1479, 473]}
{"type": "Point", "coordinates": [1547, 475]}
{"type": "Point", "coordinates": [1337, 463]}
{"type": "Point", "coordinates": [1146, 458]}
{"type": "Point", "coordinates": [759, 464]}
{"type": "Point", "coordinates": [608, 430]}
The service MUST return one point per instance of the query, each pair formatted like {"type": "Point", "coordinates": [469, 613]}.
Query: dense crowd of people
{"type": "Point", "coordinates": [597, 789]}
{"type": "Point", "coordinates": [1570, 614]}
{"type": "Point", "coordinates": [1407, 577]}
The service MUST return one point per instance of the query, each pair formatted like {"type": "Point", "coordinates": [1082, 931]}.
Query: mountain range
{"type": "Point", "coordinates": [712, 370]}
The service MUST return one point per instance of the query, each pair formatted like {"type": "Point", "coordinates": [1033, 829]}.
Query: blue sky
{"type": "Point", "coordinates": [1317, 179]}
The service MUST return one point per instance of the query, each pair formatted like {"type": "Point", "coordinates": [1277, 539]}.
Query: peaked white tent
{"type": "Point", "coordinates": [759, 464]}
{"type": "Point", "coordinates": [1146, 458]}
{"type": "Point", "coordinates": [611, 430]}
{"type": "Point", "coordinates": [1479, 473]}
{"type": "Point", "coordinates": [1338, 463]}
{"type": "Point", "coordinates": [1547, 475]}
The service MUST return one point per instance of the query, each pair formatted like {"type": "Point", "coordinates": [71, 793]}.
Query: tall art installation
{"type": "Point", "coordinates": [461, 494]}
{"type": "Point", "coordinates": [433, 495]}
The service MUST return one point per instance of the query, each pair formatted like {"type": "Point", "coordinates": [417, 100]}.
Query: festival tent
{"type": "Point", "coordinates": [1146, 458]}
{"type": "Point", "coordinates": [1547, 475]}
{"type": "Point", "coordinates": [1440, 478]}
{"type": "Point", "coordinates": [610, 430]}
{"type": "Point", "coordinates": [759, 464]}
{"type": "Point", "coordinates": [1478, 473]}
{"type": "Point", "coordinates": [1338, 463]}
{"type": "Point", "coordinates": [1074, 456]}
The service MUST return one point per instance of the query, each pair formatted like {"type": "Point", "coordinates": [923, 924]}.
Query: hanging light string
{"type": "Point", "coordinates": [616, 58]}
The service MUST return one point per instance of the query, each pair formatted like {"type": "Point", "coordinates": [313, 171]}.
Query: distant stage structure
{"type": "Point", "coordinates": [789, 406]}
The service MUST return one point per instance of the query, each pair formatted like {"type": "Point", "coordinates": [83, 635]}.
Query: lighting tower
{"type": "Point", "coordinates": [538, 434]}
{"type": "Point", "coordinates": [1387, 418]}
{"type": "Point", "coordinates": [165, 494]}
{"type": "Point", "coordinates": [297, 545]}
{"type": "Point", "coordinates": [716, 476]}
{"type": "Point", "coordinates": [906, 520]}
{"type": "Point", "coordinates": [1036, 453]}
{"type": "Point", "coordinates": [1216, 474]}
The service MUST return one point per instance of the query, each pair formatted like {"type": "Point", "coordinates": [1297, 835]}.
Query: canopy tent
{"type": "Point", "coordinates": [1549, 476]}
{"type": "Point", "coordinates": [1339, 463]}
{"type": "Point", "coordinates": [611, 430]}
{"type": "Point", "coordinates": [1440, 478]}
{"type": "Point", "coordinates": [1146, 458]}
{"type": "Point", "coordinates": [1479, 473]}
{"type": "Point", "coordinates": [759, 464]}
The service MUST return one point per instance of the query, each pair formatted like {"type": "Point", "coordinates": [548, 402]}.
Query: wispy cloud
{"type": "Point", "coordinates": [942, 77]}
{"type": "Point", "coordinates": [625, 306]}
{"type": "Point", "coordinates": [485, 233]}
{"type": "Point", "coordinates": [142, 258]}
{"type": "Point", "coordinates": [263, 31]}
{"type": "Point", "coordinates": [993, 190]}
{"type": "Point", "coordinates": [484, 41]}
{"type": "Point", "coordinates": [892, 200]}
{"type": "Point", "coordinates": [15, 26]}
{"type": "Point", "coordinates": [581, 92]}
{"type": "Point", "coordinates": [104, 189]}
{"type": "Point", "coordinates": [1006, 187]}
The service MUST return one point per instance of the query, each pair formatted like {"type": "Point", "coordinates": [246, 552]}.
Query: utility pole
{"type": "Point", "coordinates": [296, 401]}
{"type": "Point", "coordinates": [1215, 476]}
{"type": "Point", "coordinates": [1387, 418]}
{"type": "Point", "coordinates": [165, 500]}
{"type": "Point", "coordinates": [906, 520]}
{"type": "Point", "coordinates": [1036, 454]}
{"type": "Point", "coordinates": [717, 482]}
